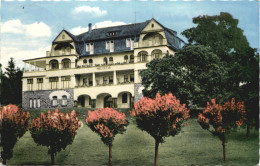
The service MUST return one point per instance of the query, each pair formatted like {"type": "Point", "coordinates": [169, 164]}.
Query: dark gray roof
{"type": "Point", "coordinates": [98, 36]}
{"type": "Point", "coordinates": [129, 30]}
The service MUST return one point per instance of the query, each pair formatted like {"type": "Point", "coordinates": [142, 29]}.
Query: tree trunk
{"type": "Point", "coordinates": [110, 155]}
{"type": "Point", "coordinates": [156, 153]}
{"type": "Point", "coordinates": [247, 130]}
{"type": "Point", "coordinates": [52, 159]}
{"type": "Point", "coordinates": [224, 150]}
{"type": "Point", "coordinates": [4, 162]}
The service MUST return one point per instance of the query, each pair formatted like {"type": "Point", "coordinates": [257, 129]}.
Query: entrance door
{"type": "Point", "coordinates": [108, 101]}
{"type": "Point", "coordinates": [81, 101]}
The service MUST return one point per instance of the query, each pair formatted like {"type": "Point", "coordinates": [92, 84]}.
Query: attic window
{"type": "Point", "coordinates": [114, 33]}
{"type": "Point", "coordinates": [152, 25]}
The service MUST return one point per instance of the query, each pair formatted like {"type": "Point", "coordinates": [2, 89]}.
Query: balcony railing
{"type": "Point", "coordinates": [108, 84]}
{"type": "Point", "coordinates": [109, 64]}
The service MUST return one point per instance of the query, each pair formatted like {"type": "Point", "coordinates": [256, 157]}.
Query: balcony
{"type": "Point", "coordinates": [101, 65]}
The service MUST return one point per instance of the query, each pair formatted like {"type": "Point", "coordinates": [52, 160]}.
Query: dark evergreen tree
{"type": "Point", "coordinates": [11, 84]}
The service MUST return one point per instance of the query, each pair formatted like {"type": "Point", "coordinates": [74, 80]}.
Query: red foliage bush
{"type": "Point", "coordinates": [55, 130]}
{"type": "Point", "coordinates": [220, 119]}
{"type": "Point", "coordinates": [107, 122]}
{"type": "Point", "coordinates": [14, 123]}
{"type": "Point", "coordinates": [160, 117]}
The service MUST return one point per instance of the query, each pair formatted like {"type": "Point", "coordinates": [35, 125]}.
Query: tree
{"type": "Point", "coordinates": [192, 74]}
{"type": "Point", "coordinates": [55, 130]}
{"type": "Point", "coordinates": [14, 124]}
{"type": "Point", "coordinates": [249, 91]}
{"type": "Point", "coordinates": [222, 34]}
{"type": "Point", "coordinates": [220, 119]}
{"type": "Point", "coordinates": [107, 122]}
{"type": "Point", "coordinates": [11, 85]}
{"type": "Point", "coordinates": [160, 117]}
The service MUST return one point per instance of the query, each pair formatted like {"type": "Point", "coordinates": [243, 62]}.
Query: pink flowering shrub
{"type": "Point", "coordinates": [107, 122]}
{"type": "Point", "coordinates": [14, 123]}
{"type": "Point", "coordinates": [160, 117]}
{"type": "Point", "coordinates": [55, 130]}
{"type": "Point", "coordinates": [220, 119]}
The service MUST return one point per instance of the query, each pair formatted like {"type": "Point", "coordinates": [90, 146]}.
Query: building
{"type": "Point", "coordinates": [98, 68]}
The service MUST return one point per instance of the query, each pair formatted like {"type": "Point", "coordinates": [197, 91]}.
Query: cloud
{"type": "Point", "coordinates": [93, 11]}
{"type": "Point", "coordinates": [107, 24]}
{"type": "Point", "coordinates": [78, 30]}
{"type": "Point", "coordinates": [34, 30]}
{"type": "Point", "coordinates": [21, 54]}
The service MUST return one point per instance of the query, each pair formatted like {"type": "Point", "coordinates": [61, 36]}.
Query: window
{"type": "Point", "coordinates": [65, 63]}
{"type": "Point", "coordinates": [110, 45]}
{"type": "Point", "coordinates": [38, 103]}
{"type": "Point", "coordinates": [124, 98]}
{"type": "Point", "coordinates": [65, 80]}
{"type": "Point", "coordinates": [64, 100]}
{"type": "Point", "coordinates": [90, 48]}
{"type": "Point", "coordinates": [125, 78]}
{"type": "Point", "coordinates": [104, 80]}
{"type": "Point", "coordinates": [152, 25]}
{"type": "Point", "coordinates": [114, 33]}
{"type": "Point", "coordinates": [125, 58]}
{"type": "Point", "coordinates": [54, 101]}
{"type": "Point", "coordinates": [34, 103]}
{"type": "Point", "coordinates": [105, 61]}
{"type": "Point", "coordinates": [142, 56]}
{"type": "Point", "coordinates": [39, 83]}
{"type": "Point", "coordinates": [54, 82]}
{"type": "Point", "coordinates": [54, 64]}
{"type": "Point", "coordinates": [110, 60]}
{"type": "Point", "coordinates": [110, 79]}
{"type": "Point", "coordinates": [130, 43]}
{"type": "Point", "coordinates": [90, 62]}
{"type": "Point", "coordinates": [156, 54]}
{"type": "Point", "coordinates": [132, 58]}
{"type": "Point", "coordinates": [87, 47]}
{"type": "Point", "coordinates": [29, 81]}
{"type": "Point", "coordinates": [132, 79]}
{"type": "Point", "coordinates": [85, 61]}
{"type": "Point", "coordinates": [30, 103]}
{"type": "Point", "coordinates": [30, 84]}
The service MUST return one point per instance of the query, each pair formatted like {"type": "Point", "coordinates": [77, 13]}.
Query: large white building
{"type": "Point", "coordinates": [98, 68]}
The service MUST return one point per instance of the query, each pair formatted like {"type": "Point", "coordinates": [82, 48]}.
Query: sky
{"type": "Point", "coordinates": [29, 27]}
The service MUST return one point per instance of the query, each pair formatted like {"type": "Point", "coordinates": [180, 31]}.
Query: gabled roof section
{"type": "Point", "coordinates": [69, 36]}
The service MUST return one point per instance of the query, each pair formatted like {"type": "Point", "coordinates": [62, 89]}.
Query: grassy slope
{"type": "Point", "coordinates": [192, 146]}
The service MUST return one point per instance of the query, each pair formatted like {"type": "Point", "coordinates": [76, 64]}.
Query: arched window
{"type": "Point", "coordinates": [66, 63]}
{"type": "Point", "coordinates": [132, 58]}
{"type": "Point", "coordinates": [64, 100]}
{"type": "Point", "coordinates": [142, 56]}
{"type": "Point", "coordinates": [54, 101]}
{"type": "Point", "coordinates": [156, 54]}
{"type": "Point", "coordinates": [110, 60]}
{"type": "Point", "coordinates": [90, 62]}
{"type": "Point", "coordinates": [85, 61]}
{"type": "Point", "coordinates": [105, 61]}
{"type": "Point", "coordinates": [124, 98]}
{"type": "Point", "coordinates": [54, 64]}
{"type": "Point", "coordinates": [125, 58]}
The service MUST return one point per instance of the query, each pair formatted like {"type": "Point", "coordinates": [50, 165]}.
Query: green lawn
{"type": "Point", "coordinates": [193, 146]}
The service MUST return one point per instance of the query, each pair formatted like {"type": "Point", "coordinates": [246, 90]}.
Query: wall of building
{"type": "Point", "coordinates": [45, 97]}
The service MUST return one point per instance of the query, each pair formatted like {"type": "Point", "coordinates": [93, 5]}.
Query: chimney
{"type": "Point", "coordinates": [89, 27]}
